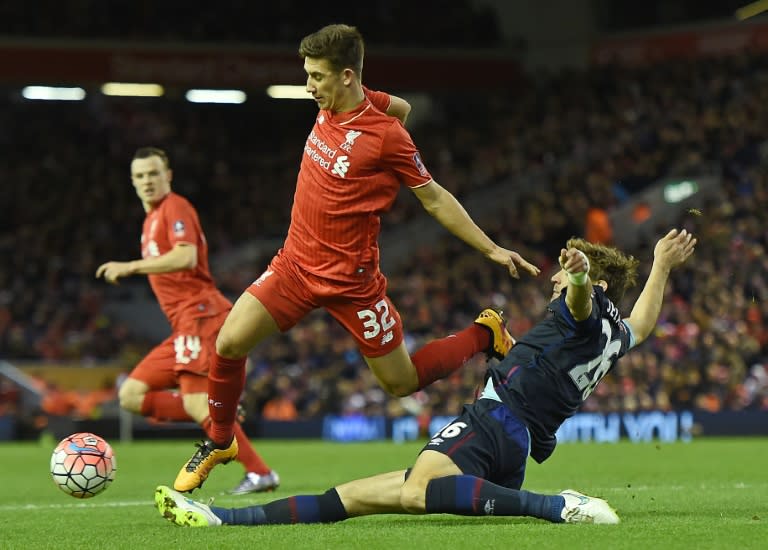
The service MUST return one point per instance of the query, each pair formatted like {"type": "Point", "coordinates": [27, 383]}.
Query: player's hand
{"type": "Point", "coordinates": [512, 260]}
{"type": "Point", "coordinates": [112, 271]}
{"type": "Point", "coordinates": [674, 248]}
{"type": "Point", "coordinates": [573, 261]}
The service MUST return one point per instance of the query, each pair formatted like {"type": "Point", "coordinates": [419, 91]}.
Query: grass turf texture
{"type": "Point", "coordinates": [710, 493]}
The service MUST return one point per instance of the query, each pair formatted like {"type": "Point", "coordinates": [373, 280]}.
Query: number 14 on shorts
{"type": "Point", "coordinates": [187, 348]}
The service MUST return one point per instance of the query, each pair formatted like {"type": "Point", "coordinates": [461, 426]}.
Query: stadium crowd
{"type": "Point", "coordinates": [584, 140]}
{"type": "Point", "coordinates": [265, 23]}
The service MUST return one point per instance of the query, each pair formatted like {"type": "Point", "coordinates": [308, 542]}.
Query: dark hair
{"type": "Point", "coordinates": [341, 45]}
{"type": "Point", "coordinates": [609, 264]}
{"type": "Point", "coordinates": [146, 152]}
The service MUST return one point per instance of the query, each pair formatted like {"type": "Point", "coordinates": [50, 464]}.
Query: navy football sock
{"type": "Point", "coordinates": [323, 508]}
{"type": "Point", "coordinates": [473, 496]}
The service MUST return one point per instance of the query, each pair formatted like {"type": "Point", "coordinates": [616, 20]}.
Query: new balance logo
{"type": "Point", "coordinates": [387, 338]}
{"type": "Point", "coordinates": [489, 507]}
{"type": "Point", "coordinates": [341, 167]}
{"type": "Point", "coordinates": [263, 277]}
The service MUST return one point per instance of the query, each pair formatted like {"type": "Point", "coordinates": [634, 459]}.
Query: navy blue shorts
{"type": "Point", "coordinates": [486, 441]}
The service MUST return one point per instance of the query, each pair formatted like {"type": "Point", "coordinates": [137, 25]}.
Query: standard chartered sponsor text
{"type": "Point", "coordinates": [320, 152]}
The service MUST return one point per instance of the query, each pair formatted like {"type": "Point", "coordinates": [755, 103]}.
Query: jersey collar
{"type": "Point", "coordinates": [349, 116]}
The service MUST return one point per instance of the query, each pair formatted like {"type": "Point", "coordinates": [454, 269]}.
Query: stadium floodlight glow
{"type": "Point", "coordinates": [680, 190]}
{"type": "Point", "coordinates": [132, 89]}
{"type": "Point", "coordinates": [53, 93]}
{"type": "Point", "coordinates": [215, 96]}
{"type": "Point", "coordinates": [284, 91]}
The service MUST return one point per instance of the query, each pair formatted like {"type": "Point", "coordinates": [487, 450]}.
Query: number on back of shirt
{"type": "Point", "coordinates": [587, 375]}
{"type": "Point", "coordinates": [187, 348]}
{"type": "Point", "coordinates": [377, 321]}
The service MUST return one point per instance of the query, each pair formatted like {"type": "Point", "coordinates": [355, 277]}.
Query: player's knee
{"type": "Point", "coordinates": [230, 347]}
{"type": "Point", "coordinates": [412, 498]}
{"type": "Point", "coordinates": [130, 399]}
{"type": "Point", "coordinates": [196, 406]}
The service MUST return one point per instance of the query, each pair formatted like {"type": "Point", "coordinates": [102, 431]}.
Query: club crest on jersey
{"type": "Point", "coordinates": [349, 140]}
{"type": "Point", "coordinates": [178, 228]}
{"type": "Point", "coordinates": [419, 164]}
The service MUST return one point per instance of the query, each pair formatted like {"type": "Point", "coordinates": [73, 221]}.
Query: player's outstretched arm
{"type": "Point", "coordinates": [444, 207]}
{"type": "Point", "coordinates": [671, 251]}
{"type": "Point", "coordinates": [579, 296]}
{"type": "Point", "coordinates": [182, 256]}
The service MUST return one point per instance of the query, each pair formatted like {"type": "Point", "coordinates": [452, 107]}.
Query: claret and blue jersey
{"type": "Point", "coordinates": [553, 368]}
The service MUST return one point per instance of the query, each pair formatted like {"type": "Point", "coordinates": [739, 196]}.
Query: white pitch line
{"type": "Point", "coordinates": [118, 504]}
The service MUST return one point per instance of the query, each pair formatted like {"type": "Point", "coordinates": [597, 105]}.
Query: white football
{"type": "Point", "coordinates": [83, 465]}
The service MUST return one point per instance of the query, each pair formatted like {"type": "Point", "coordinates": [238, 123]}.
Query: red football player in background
{"type": "Point", "coordinates": [175, 259]}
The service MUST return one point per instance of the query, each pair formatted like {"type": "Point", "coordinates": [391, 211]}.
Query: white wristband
{"type": "Point", "coordinates": [578, 279]}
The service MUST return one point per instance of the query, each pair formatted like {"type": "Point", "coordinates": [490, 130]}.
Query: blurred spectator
{"type": "Point", "coordinates": [9, 397]}
{"type": "Point", "coordinates": [598, 226]}
{"type": "Point", "coordinates": [281, 406]}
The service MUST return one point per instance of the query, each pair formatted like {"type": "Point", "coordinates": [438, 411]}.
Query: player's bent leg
{"type": "Point", "coordinates": [429, 465]}
{"type": "Point", "coordinates": [131, 394]}
{"type": "Point", "coordinates": [373, 495]}
{"type": "Point", "coordinates": [247, 324]}
{"type": "Point", "coordinates": [395, 372]}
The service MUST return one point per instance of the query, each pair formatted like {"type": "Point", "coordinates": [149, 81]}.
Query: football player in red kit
{"type": "Point", "coordinates": [355, 159]}
{"type": "Point", "coordinates": [175, 259]}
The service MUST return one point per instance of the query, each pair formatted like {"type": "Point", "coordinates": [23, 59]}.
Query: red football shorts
{"type": "Point", "coordinates": [289, 293]}
{"type": "Point", "coordinates": [182, 360]}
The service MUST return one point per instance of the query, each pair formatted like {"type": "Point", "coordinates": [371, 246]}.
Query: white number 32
{"type": "Point", "coordinates": [376, 322]}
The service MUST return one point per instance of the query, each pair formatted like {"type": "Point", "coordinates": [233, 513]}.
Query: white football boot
{"type": "Point", "coordinates": [581, 508]}
{"type": "Point", "coordinates": [255, 483]}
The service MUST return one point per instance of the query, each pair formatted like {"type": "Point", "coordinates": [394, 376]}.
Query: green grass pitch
{"type": "Point", "coordinates": [710, 493]}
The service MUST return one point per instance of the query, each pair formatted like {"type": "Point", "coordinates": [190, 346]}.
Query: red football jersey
{"type": "Point", "coordinates": [191, 291]}
{"type": "Point", "coordinates": [351, 171]}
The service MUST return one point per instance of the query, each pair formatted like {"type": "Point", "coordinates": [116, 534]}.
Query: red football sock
{"type": "Point", "coordinates": [440, 358]}
{"type": "Point", "coordinates": [164, 405]}
{"type": "Point", "coordinates": [226, 381]}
